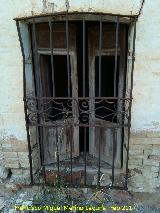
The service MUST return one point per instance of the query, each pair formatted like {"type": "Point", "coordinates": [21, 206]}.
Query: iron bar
{"type": "Point", "coordinates": [68, 58]}
{"type": "Point", "coordinates": [100, 57]}
{"type": "Point", "coordinates": [84, 93]}
{"type": "Point", "coordinates": [130, 104]}
{"type": "Point", "coordinates": [25, 105]}
{"type": "Point", "coordinates": [116, 56]}
{"type": "Point", "coordinates": [84, 55]}
{"type": "Point", "coordinates": [37, 86]}
{"type": "Point", "coordinates": [52, 62]}
{"type": "Point", "coordinates": [99, 94]}
{"type": "Point", "coordinates": [71, 144]}
{"type": "Point", "coordinates": [36, 69]}
{"type": "Point", "coordinates": [57, 149]}
{"type": "Point", "coordinates": [79, 125]}
{"type": "Point", "coordinates": [85, 159]}
{"type": "Point", "coordinates": [113, 154]}
{"type": "Point", "coordinates": [79, 98]}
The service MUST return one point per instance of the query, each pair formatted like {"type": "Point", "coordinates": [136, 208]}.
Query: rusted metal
{"type": "Point", "coordinates": [99, 94]}
{"type": "Point", "coordinates": [68, 61]}
{"type": "Point", "coordinates": [56, 15]}
{"type": "Point", "coordinates": [113, 154]}
{"type": "Point", "coordinates": [84, 93]}
{"type": "Point", "coordinates": [100, 56]}
{"type": "Point", "coordinates": [116, 56]}
{"type": "Point", "coordinates": [51, 47]}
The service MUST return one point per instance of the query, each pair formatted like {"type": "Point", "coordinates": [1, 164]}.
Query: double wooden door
{"type": "Point", "coordinates": [63, 135]}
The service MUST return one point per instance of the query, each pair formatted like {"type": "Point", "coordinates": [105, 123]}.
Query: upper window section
{"type": "Point", "coordinates": [58, 35]}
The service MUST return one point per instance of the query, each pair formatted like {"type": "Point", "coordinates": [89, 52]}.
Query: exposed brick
{"type": "Point", "coordinates": [153, 134]}
{"type": "Point", "coordinates": [20, 147]}
{"type": "Point", "coordinates": [135, 152]}
{"type": "Point", "coordinates": [135, 157]}
{"type": "Point", "coordinates": [20, 171]}
{"type": "Point", "coordinates": [154, 157]}
{"type": "Point", "coordinates": [137, 162]}
{"type": "Point", "coordinates": [51, 176]}
{"type": "Point", "coordinates": [6, 147]}
{"type": "Point", "coordinates": [138, 147]}
{"type": "Point", "coordinates": [149, 174]}
{"type": "Point", "coordinates": [145, 134]}
{"type": "Point", "coordinates": [150, 168]}
{"type": "Point", "coordinates": [149, 162]}
{"type": "Point", "coordinates": [12, 165]}
{"type": "Point", "coordinates": [16, 145]}
{"type": "Point", "coordinates": [76, 176]}
{"type": "Point", "coordinates": [23, 155]}
{"type": "Point", "coordinates": [155, 141]}
{"type": "Point", "coordinates": [138, 134]}
{"type": "Point", "coordinates": [140, 141]}
{"type": "Point", "coordinates": [11, 160]}
{"type": "Point", "coordinates": [10, 155]}
{"type": "Point", "coordinates": [24, 163]}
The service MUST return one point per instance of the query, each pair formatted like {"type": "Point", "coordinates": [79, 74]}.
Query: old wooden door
{"type": "Point", "coordinates": [61, 108]}
{"type": "Point", "coordinates": [104, 112]}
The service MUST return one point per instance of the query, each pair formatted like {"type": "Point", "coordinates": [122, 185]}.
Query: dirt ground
{"type": "Point", "coordinates": [12, 195]}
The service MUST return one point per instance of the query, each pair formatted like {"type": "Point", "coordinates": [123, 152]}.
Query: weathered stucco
{"type": "Point", "coordinates": [146, 78]}
{"type": "Point", "coordinates": [146, 87]}
{"type": "Point", "coordinates": [11, 89]}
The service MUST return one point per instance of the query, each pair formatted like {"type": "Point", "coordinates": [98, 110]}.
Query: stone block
{"type": "Point", "coordinates": [137, 147]}
{"type": "Point", "coordinates": [76, 176]}
{"type": "Point", "coordinates": [150, 174]}
{"type": "Point", "coordinates": [145, 134]}
{"type": "Point", "coordinates": [23, 155]}
{"type": "Point", "coordinates": [12, 165]}
{"type": "Point", "coordinates": [151, 168]}
{"type": "Point", "coordinates": [141, 141]}
{"type": "Point", "coordinates": [156, 150]}
{"type": "Point", "coordinates": [140, 183]}
{"type": "Point", "coordinates": [150, 162]}
{"type": "Point", "coordinates": [24, 179]}
{"type": "Point", "coordinates": [141, 134]}
{"type": "Point", "coordinates": [20, 147]}
{"type": "Point", "coordinates": [17, 171]}
{"type": "Point", "coordinates": [10, 155]}
{"type": "Point", "coordinates": [135, 152]}
{"type": "Point", "coordinates": [147, 152]}
{"type": "Point", "coordinates": [153, 134]}
{"type": "Point", "coordinates": [155, 141]}
{"type": "Point", "coordinates": [24, 163]}
{"type": "Point", "coordinates": [137, 162]}
{"type": "Point", "coordinates": [11, 160]}
{"type": "Point", "coordinates": [6, 145]}
{"type": "Point", "coordinates": [154, 157]}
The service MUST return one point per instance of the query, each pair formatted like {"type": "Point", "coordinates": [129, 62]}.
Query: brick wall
{"type": "Point", "coordinates": [15, 158]}
{"type": "Point", "coordinates": [144, 161]}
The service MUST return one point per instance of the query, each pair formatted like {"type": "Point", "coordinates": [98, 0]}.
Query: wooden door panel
{"type": "Point", "coordinates": [104, 134]}
{"type": "Point", "coordinates": [60, 139]}
{"type": "Point", "coordinates": [65, 134]}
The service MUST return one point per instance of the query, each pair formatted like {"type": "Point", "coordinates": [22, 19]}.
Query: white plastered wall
{"type": "Point", "coordinates": [12, 120]}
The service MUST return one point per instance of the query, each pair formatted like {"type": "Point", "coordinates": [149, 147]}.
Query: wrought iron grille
{"type": "Point", "coordinates": [89, 113]}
